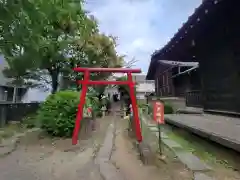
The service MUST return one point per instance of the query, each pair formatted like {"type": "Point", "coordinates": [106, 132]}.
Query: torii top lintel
{"type": "Point", "coordinates": [114, 70]}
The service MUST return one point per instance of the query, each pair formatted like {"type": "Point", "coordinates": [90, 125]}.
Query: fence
{"type": "Point", "coordinates": [194, 98]}
{"type": "Point", "coordinates": [15, 111]}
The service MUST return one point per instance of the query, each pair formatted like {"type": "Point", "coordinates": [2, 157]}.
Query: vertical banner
{"type": "Point", "coordinates": [158, 112]}
{"type": "Point", "coordinates": [158, 116]}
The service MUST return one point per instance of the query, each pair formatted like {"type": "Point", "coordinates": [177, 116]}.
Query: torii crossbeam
{"type": "Point", "coordinates": [85, 82]}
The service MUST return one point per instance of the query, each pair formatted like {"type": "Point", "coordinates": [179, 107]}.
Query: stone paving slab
{"type": "Point", "coordinates": [196, 111]}
{"type": "Point", "coordinates": [153, 128]}
{"type": "Point", "coordinates": [163, 135]}
{"type": "Point", "coordinates": [106, 149]}
{"type": "Point", "coordinates": [110, 172]}
{"type": "Point", "coordinates": [171, 144]}
{"type": "Point", "coordinates": [106, 168]}
{"type": "Point", "coordinates": [191, 161]}
{"type": "Point", "coordinates": [220, 129]}
{"type": "Point", "coordinates": [201, 176]}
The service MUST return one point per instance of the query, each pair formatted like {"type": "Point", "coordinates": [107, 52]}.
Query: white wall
{"type": "Point", "coordinates": [111, 91]}
{"type": "Point", "coordinates": [140, 95]}
{"type": "Point", "coordinates": [34, 94]}
{"type": "Point", "coordinates": [145, 87]}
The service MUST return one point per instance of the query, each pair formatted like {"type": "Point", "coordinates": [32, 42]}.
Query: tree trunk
{"type": "Point", "coordinates": [54, 77]}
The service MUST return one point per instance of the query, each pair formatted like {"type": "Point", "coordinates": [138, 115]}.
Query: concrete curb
{"type": "Point", "coordinates": [188, 159]}
{"type": "Point", "coordinates": [211, 136]}
{"type": "Point", "coordinates": [186, 111]}
{"type": "Point", "coordinates": [10, 145]}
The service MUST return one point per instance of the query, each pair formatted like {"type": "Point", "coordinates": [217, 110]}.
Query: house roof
{"type": "Point", "coordinates": [179, 46]}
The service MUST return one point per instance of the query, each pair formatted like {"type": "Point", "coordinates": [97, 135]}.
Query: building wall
{"type": "Point", "coordinates": [163, 81]}
{"type": "Point", "coordinates": [216, 40]}
{"type": "Point", "coordinates": [146, 87]}
{"type": "Point", "coordinates": [140, 95]}
{"type": "Point", "coordinates": [143, 86]}
{"type": "Point", "coordinates": [221, 81]}
{"type": "Point", "coordinates": [31, 94]}
{"type": "Point", "coordinates": [2, 98]}
{"type": "Point", "coordinates": [169, 85]}
{"type": "Point", "coordinates": [219, 57]}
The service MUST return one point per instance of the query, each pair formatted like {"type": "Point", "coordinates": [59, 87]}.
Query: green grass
{"type": "Point", "coordinates": [152, 140]}
{"type": "Point", "coordinates": [209, 152]}
{"type": "Point", "coordinates": [9, 130]}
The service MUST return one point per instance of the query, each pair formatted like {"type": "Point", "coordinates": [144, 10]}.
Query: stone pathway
{"type": "Point", "coordinates": [107, 170]}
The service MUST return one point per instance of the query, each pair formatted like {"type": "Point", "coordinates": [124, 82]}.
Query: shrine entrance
{"type": "Point", "coordinates": [86, 82]}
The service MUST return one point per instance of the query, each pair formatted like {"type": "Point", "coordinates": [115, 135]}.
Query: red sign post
{"type": "Point", "coordinates": [158, 112]}
{"type": "Point", "coordinates": [158, 116]}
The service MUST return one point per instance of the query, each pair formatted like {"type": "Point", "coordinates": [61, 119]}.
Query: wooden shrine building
{"type": "Point", "coordinates": [203, 58]}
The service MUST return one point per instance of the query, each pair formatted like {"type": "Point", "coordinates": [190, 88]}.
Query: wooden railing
{"type": "Point", "coordinates": [194, 98]}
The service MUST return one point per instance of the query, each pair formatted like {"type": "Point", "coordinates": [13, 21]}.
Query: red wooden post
{"type": "Point", "coordinates": [80, 108]}
{"type": "Point", "coordinates": [134, 108]}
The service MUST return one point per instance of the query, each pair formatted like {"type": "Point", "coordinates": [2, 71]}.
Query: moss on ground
{"type": "Point", "coordinates": [10, 130]}
{"type": "Point", "coordinates": [209, 152]}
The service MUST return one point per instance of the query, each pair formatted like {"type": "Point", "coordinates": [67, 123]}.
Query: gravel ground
{"type": "Point", "coordinates": [45, 159]}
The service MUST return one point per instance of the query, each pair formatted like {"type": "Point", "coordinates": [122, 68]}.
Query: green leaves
{"type": "Point", "coordinates": [53, 36]}
{"type": "Point", "coordinates": [58, 112]}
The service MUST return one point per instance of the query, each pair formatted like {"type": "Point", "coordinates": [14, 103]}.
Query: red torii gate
{"type": "Point", "coordinates": [85, 82]}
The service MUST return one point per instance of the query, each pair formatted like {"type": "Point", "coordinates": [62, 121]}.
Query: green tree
{"type": "Point", "coordinates": [50, 38]}
{"type": "Point", "coordinates": [59, 23]}
{"type": "Point", "coordinates": [17, 37]}
{"type": "Point", "coordinates": [97, 51]}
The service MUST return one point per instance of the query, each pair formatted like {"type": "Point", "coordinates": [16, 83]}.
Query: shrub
{"type": "Point", "coordinates": [168, 109]}
{"type": "Point", "coordinates": [58, 112]}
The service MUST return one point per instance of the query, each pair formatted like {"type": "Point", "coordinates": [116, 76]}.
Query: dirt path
{"type": "Point", "coordinates": [127, 161]}
{"type": "Point", "coordinates": [45, 159]}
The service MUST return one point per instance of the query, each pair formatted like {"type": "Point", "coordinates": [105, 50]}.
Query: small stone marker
{"type": "Point", "coordinates": [104, 109]}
